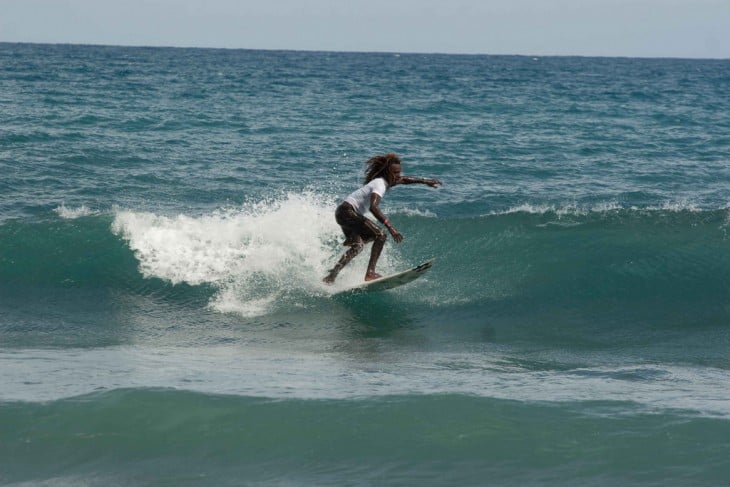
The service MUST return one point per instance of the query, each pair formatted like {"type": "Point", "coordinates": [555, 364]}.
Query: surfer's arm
{"type": "Point", "coordinates": [412, 180]}
{"type": "Point", "coordinates": [374, 202]}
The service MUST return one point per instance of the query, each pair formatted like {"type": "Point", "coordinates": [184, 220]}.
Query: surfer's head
{"type": "Point", "coordinates": [385, 166]}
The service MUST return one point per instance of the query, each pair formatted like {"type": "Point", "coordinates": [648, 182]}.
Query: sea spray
{"type": "Point", "coordinates": [72, 213]}
{"type": "Point", "coordinates": [267, 252]}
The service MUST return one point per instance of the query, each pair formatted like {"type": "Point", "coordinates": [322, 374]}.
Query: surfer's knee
{"type": "Point", "coordinates": [356, 247]}
{"type": "Point", "coordinates": [381, 237]}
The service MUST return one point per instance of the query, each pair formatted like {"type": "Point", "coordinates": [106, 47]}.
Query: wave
{"type": "Point", "coordinates": [74, 251]}
{"type": "Point", "coordinates": [602, 208]}
{"type": "Point", "coordinates": [271, 255]}
{"type": "Point", "coordinates": [614, 264]}
{"type": "Point", "coordinates": [181, 437]}
{"type": "Point", "coordinates": [256, 256]}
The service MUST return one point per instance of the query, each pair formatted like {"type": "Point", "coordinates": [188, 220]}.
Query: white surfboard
{"type": "Point", "coordinates": [391, 281]}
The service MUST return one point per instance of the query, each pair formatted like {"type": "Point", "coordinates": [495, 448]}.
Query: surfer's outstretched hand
{"type": "Point", "coordinates": [434, 183]}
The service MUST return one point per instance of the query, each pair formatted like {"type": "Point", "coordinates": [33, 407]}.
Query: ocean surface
{"type": "Point", "coordinates": [166, 218]}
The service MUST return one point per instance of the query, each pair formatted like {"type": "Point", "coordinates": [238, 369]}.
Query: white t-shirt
{"type": "Point", "coordinates": [360, 199]}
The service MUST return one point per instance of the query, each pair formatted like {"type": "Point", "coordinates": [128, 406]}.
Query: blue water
{"type": "Point", "coordinates": [166, 218]}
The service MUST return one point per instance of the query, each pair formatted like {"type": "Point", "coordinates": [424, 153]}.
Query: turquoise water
{"type": "Point", "coordinates": [166, 217]}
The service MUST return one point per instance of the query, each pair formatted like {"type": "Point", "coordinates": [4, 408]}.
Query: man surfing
{"type": "Point", "coordinates": [382, 173]}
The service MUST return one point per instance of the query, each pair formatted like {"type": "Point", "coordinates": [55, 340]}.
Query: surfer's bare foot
{"type": "Point", "coordinates": [329, 279]}
{"type": "Point", "coordinates": [371, 276]}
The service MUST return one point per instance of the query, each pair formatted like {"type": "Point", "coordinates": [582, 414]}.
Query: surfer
{"type": "Point", "coordinates": [382, 173]}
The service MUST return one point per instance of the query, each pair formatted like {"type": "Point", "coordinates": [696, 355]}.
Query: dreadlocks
{"type": "Point", "coordinates": [381, 167]}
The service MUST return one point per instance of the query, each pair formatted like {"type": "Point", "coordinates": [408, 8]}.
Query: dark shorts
{"type": "Point", "coordinates": [356, 227]}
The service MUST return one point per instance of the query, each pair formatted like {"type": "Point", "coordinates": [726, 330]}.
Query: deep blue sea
{"type": "Point", "coordinates": [167, 215]}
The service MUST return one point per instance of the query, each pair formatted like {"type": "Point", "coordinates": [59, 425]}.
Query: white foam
{"type": "Point", "coordinates": [288, 372]}
{"type": "Point", "coordinates": [541, 209]}
{"type": "Point", "coordinates": [72, 213]}
{"type": "Point", "coordinates": [573, 209]}
{"type": "Point", "coordinates": [679, 206]}
{"type": "Point", "coordinates": [255, 256]}
{"type": "Point", "coordinates": [414, 212]}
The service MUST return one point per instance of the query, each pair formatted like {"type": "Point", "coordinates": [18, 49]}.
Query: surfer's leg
{"type": "Point", "coordinates": [358, 231]}
{"type": "Point", "coordinates": [378, 244]}
{"type": "Point", "coordinates": [354, 249]}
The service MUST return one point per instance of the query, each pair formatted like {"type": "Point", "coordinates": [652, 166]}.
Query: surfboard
{"type": "Point", "coordinates": [391, 281]}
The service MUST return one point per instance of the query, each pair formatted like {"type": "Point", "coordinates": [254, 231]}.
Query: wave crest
{"type": "Point", "coordinates": [266, 254]}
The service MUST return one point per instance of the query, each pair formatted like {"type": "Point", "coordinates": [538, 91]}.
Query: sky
{"type": "Point", "coordinates": [632, 28]}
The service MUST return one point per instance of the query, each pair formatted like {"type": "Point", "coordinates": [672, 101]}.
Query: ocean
{"type": "Point", "coordinates": [167, 217]}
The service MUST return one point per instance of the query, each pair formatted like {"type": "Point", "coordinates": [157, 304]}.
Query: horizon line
{"type": "Point", "coordinates": [432, 53]}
